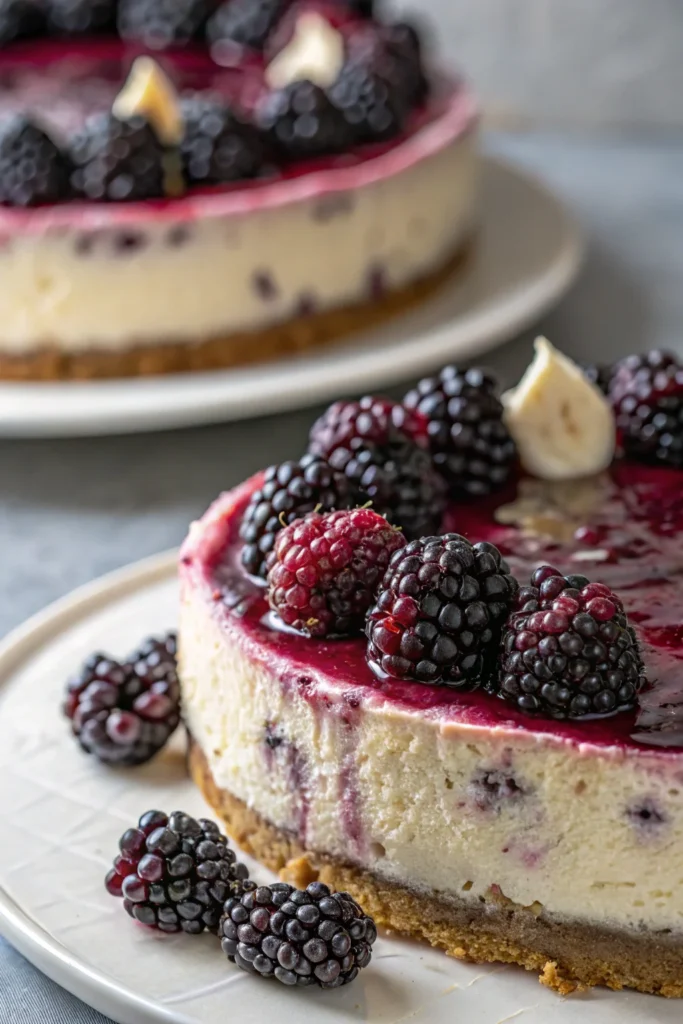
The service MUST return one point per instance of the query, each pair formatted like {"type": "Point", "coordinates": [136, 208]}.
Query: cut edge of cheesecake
{"type": "Point", "coordinates": [569, 956]}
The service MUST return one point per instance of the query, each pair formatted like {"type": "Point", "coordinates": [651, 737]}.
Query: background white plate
{"type": "Point", "coordinates": [528, 252]}
{"type": "Point", "coordinates": [62, 815]}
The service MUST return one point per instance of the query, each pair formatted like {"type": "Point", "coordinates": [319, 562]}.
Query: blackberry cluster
{"type": "Point", "coordinates": [439, 612]}
{"type": "Point", "coordinates": [159, 24]}
{"type": "Point", "coordinates": [125, 712]}
{"type": "Point", "coordinates": [568, 650]}
{"type": "Point", "coordinates": [174, 873]}
{"type": "Point", "coordinates": [301, 122]}
{"type": "Point", "coordinates": [470, 445]}
{"type": "Point", "coordinates": [646, 392]}
{"type": "Point", "coordinates": [370, 106]}
{"type": "Point", "coordinates": [117, 160]}
{"type": "Point", "coordinates": [383, 461]}
{"type": "Point", "coordinates": [33, 170]}
{"type": "Point", "coordinates": [219, 145]}
{"type": "Point", "coordinates": [301, 937]}
{"type": "Point", "coordinates": [19, 19]}
{"type": "Point", "coordinates": [289, 491]}
{"type": "Point", "coordinates": [404, 61]}
{"type": "Point", "coordinates": [324, 570]}
{"type": "Point", "coordinates": [245, 22]}
{"type": "Point", "coordinates": [81, 17]}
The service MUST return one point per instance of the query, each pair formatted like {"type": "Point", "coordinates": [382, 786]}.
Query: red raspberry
{"type": "Point", "coordinates": [325, 569]}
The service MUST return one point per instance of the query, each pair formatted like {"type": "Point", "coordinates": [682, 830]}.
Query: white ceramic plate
{"type": "Point", "coordinates": [527, 254]}
{"type": "Point", "coordinates": [63, 813]}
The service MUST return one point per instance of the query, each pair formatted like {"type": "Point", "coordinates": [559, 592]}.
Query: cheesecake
{"type": "Point", "coordinates": [319, 181]}
{"type": "Point", "coordinates": [548, 834]}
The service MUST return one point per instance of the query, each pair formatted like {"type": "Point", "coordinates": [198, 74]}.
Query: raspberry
{"type": "Point", "coordinates": [117, 160]}
{"type": "Point", "coordinates": [289, 491]}
{"type": "Point", "coordinates": [245, 22]}
{"type": "Point", "coordinates": [325, 569]}
{"type": "Point", "coordinates": [219, 145]}
{"type": "Point", "coordinates": [384, 461]}
{"type": "Point", "coordinates": [301, 122]}
{"type": "Point", "coordinates": [439, 612]}
{"type": "Point", "coordinates": [301, 937]}
{"type": "Point", "coordinates": [159, 24]}
{"type": "Point", "coordinates": [125, 712]}
{"type": "Point", "coordinates": [568, 650]}
{"type": "Point", "coordinates": [20, 19]}
{"type": "Point", "coordinates": [174, 873]}
{"type": "Point", "coordinates": [470, 445]}
{"type": "Point", "coordinates": [646, 392]}
{"type": "Point", "coordinates": [81, 17]}
{"type": "Point", "coordinates": [33, 170]}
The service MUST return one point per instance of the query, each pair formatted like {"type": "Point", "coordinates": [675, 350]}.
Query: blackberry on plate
{"type": "Point", "coordinates": [159, 24]}
{"type": "Point", "coordinates": [245, 22]}
{"type": "Point", "coordinates": [568, 651]}
{"type": "Point", "coordinates": [369, 104]}
{"type": "Point", "coordinates": [289, 491]}
{"type": "Point", "coordinates": [300, 122]}
{"type": "Point", "coordinates": [219, 144]}
{"type": "Point", "coordinates": [20, 19]}
{"type": "Point", "coordinates": [470, 444]}
{"type": "Point", "coordinates": [125, 712]}
{"type": "Point", "coordinates": [81, 17]}
{"type": "Point", "coordinates": [117, 160]}
{"type": "Point", "coordinates": [33, 169]}
{"type": "Point", "coordinates": [324, 570]}
{"type": "Point", "coordinates": [383, 461]}
{"type": "Point", "coordinates": [174, 872]}
{"type": "Point", "coordinates": [439, 612]}
{"type": "Point", "coordinates": [646, 392]}
{"type": "Point", "coordinates": [302, 937]}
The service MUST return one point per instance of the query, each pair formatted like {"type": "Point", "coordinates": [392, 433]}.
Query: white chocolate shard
{"type": "Point", "coordinates": [149, 93]}
{"type": "Point", "coordinates": [314, 53]}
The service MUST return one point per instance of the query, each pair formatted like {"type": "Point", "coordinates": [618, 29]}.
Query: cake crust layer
{"type": "Point", "coordinates": [237, 349]}
{"type": "Point", "coordinates": [567, 955]}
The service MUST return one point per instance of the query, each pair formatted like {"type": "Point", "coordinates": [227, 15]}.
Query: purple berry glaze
{"type": "Point", "coordinates": [640, 522]}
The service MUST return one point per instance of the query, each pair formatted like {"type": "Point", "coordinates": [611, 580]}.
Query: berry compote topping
{"type": "Point", "coordinates": [469, 442]}
{"type": "Point", "coordinates": [301, 937]}
{"type": "Point", "coordinates": [384, 461]}
{"type": "Point", "coordinates": [439, 611]}
{"type": "Point", "coordinates": [324, 571]}
{"type": "Point", "coordinates": [646, 392]}
{"type": "Point", "coordinates": [125, 712]}
{"type": "Point", "coordinates": [289, 491]}
{"type": "Point", "coordinates": [568, 650]}
{"type": "Point", "coordinates": [174, 872]}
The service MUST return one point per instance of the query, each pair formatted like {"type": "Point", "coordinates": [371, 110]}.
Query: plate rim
{"type": "Point", "coordinates": [309, 379]}
{"type": "Point", "coordinates": [47, 954]}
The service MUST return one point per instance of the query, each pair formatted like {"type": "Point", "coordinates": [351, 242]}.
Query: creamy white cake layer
{"type": "Point", "coordinates": [112, 285]}
{"type": "Point", "coordinates": [588, 833]}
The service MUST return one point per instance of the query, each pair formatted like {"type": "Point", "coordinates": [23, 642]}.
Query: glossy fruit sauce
{"type": "Point", "coordinates": [624, 529]}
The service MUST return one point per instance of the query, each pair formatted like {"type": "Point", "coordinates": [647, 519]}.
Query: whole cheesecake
{"type": "Point", "coordinates": [316, 234]}
{"type": "Point", "coordinates": [552, 840]}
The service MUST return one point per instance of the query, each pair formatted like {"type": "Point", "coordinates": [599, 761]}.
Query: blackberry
{"type": "Point", "coordinates": [33, 169]}
{"type": "Point", "coordinates": [405, 65]}
{"type": "Point", "coordinates": [175, 873]}
{"type": "Point", "coordinates": [385, 463]}
{"type": "Point", "coordinates": [125, 712]}
{"type": "Point", "coordinates": [470, 444]}
{"type": "Point", "coordinates": [219, 144]}
{"type": "Point", "coordinates": [20, 19]}
{"type": "Point", "coordinates": [81, 17]}
{"type": "Point", "coordinates": [600, 375]}
{"type": "Point", "coordinates": [301, 937]}
{"type": "Point", "coordinates": [568, 650]}
{"type": "Point", "coordinates": [300, 122]}
{"type": "Point", "coordinates": [369, 105]}
{"type": "Point", "coordinates": [324, 570]}
{"type": "Point", "coordinates": [159, 24]}
{"type": "Point", "coordinates": [245, 22]}
{"type": "Point", "coordinates": [439, 612]}
{"type": "Point", "coordinates": [117, 160]}
{"type": "Point", "coordinates": [646, 392]}
{"type": "Point", "coordinates": [289, 491]}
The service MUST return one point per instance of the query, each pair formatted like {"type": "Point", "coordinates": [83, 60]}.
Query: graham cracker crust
{"type": "Point", "coordinates": [568, 956]}
{"type": "Point", "coordinates": [238, 349]}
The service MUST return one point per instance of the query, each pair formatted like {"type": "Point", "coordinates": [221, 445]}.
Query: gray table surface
{"type": "Point", "coordinates": [71, 510]}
